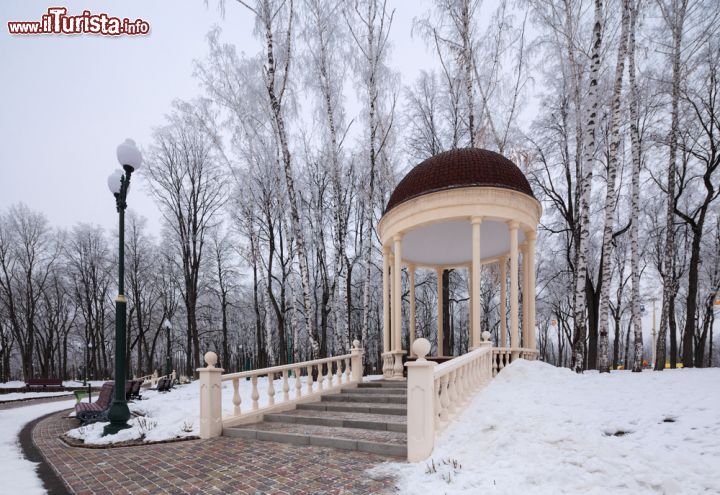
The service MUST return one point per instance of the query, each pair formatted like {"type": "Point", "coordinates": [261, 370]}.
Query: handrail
{"type": "Point", "coordinates": [344, 370]}
{"type": "Point", "coordinates": [455, 363]}
{"type": "Point", "coordinates": [283, 367]}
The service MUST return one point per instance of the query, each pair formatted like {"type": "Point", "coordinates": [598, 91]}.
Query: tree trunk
{"type": "Point", "coordinates": [611, 193]}
{"type": "Point", "coordinates": [589, 150]}
{"type": "Point", "coordinates": [669, 282]}
{"type": "Point", "coordinates": [635, 197]}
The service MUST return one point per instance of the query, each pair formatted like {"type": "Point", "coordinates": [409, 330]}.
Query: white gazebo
{"type": "Point", "coordinates": [460, 209]}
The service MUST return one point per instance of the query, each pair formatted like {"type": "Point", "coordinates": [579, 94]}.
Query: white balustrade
{"type": "Point", "coordinates": [436, 393]}
{"type": "Point", "coordinates": [212, 378]}
{"type": "Point", "coordinates": [503, 356]}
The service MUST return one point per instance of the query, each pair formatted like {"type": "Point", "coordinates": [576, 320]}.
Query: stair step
{"type": "Point", "coordinates": [378, 442]}
{"type": "Point", "coordinates": [375, 391]}
{"type": "Point", "coordinates": [361, 407]}
{"type": "Point", "coordinates": [377, 399]}
{"type": "Point", "coordinates": [383, 384]}
{"type": "Point", "coordinates": [367, 421]}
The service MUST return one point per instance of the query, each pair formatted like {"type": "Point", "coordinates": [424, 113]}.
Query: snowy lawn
{"type": "Point", "coordinates": [18, 475]}
{"type": "Point", "coordinates": [175, 414]}
{"type": "Point", "coordinates": [66, 383]}
{"type": "Point", "coordinates": [30, 395]}
{"type": "Point", "coordinates": [537, 429]}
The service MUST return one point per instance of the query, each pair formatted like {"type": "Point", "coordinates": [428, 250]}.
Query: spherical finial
{"type": "Point", "coordinates": [211, 359]}
{"type": "Point", "coordinates": [356, 344]}
{"type": "Point", "coordinates": [421, 347]}
{"type": "Point", "coordinates": [486, 336]}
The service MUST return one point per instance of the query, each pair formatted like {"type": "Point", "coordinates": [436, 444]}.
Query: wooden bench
{"type": "Point", "coordinates": [44, 383]}
{"type": "Point", "coordinates": [96, 411]}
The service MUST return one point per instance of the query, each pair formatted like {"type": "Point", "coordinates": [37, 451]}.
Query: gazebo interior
{"type": "Point", "coordinates": [460, 209]}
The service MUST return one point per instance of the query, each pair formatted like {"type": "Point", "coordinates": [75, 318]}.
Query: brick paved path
{"type": "Point", "coordinates": [220, 466]}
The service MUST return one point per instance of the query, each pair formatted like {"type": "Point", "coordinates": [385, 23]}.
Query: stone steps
{"type": "Point", "coordinates": [366, 421]}
{"type": "Point", "coordinates": [359, 397]}
{"type": "Point", "coordinates": [369, 418]}
{"type": "Point", "coordinates": [374, 441]}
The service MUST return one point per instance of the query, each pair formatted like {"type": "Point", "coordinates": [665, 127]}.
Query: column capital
{"type": "Point", "coordinates": [397, 237]}
{"type": "Point", "coordinates": [386, 250]}
{"type": "Point", "coordinates": [476, 220]}
{"type": "Point", "coordinates": [531, 235]}
{"type": "Point", "coordinates": [513, 225]}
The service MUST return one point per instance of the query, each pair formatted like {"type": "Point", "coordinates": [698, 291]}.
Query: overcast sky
{"type": "Point", "coordinates": [66, 102]}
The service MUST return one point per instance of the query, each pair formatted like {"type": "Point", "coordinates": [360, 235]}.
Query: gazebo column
{"type": "Point", "coordinates": [397, 309]}
{"type": "Point", "coordinates": [475, 283]}
{"type": "Point", "coordinates": [440, 333]}
{"type": "Point", "coordinates": [387, 361]}
{"type": "Point", "coordinates": [513, 227]}
{"type": "Point", "coordinates": [525, 294]}
{"type": "Point", "coordinates": [503, 299]}
{"type": "Point", "coordinates": [531, 236]}
{"type": "Point", "coordinates": [411, 273]}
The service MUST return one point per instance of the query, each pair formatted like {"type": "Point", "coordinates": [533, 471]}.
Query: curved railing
{"type": "Point", "coordinates": [341, 370]}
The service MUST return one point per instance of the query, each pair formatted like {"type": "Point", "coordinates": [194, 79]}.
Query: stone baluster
{"type": "Point", "coordinates": [236, 396]}
{"type": "Point", "coordinates": [444, 399]}
{"type": "Point", "coordinates": [271, 389]}
{"type": "Point", "coordinates": [298, 383]}
{"type": "Point", "coordinates": [309, 380]}
{"type": "Point", "coordinates": [286, 386]}
{"type": "Point", "coordinates": [453, 394]}
{"type": "Point", "coordinates": [320, 377]}
{"type": "Point", "coordinates": [338, 372]}
{"type": "Point", "coordinates": [330, 374]}
{"type": "Point", "coordinates": [438, 404]}
{"type": "Point", "coordinates": [255, 395]}
{"type": "Point", "coordinates": [347, 370]}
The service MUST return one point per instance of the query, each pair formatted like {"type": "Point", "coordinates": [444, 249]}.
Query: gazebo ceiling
{"type": "Point", "coordinates": [462, 167]}
{"type": "Point", "coordinates": [450, 242]}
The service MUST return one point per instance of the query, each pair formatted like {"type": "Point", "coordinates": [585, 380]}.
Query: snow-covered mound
{"type": "Point", "coordinates": [175, 414]}
{"type": "Point", "coordinates": [538, 429]}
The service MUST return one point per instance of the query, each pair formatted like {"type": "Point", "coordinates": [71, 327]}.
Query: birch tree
{"type": "Point", "coordinates": [275, 20]}
{"type": "Point", "coordinates": [585, 179]}
{"type": "Point", "coordinates": [611, 193]}
{"type": "Point", "coordinates": [673, 13]}
{"type": "Point", "coordinates": [369, 22]}
{"type": "Point", "coordinates": [635, 193]}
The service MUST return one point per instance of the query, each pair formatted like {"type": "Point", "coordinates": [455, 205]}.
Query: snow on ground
{"type": "Point", "coordinates": [538, 429]}
{"type": "Point", "coordinates": [19, 475]}
{"type": "Point", "coordinates": [175, 414]}
{"type": "Point", "coordinates": [30, 395]}
{"type": "Point", "coordinates": [66, 383]}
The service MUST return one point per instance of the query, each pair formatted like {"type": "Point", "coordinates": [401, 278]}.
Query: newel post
{"type": "Point", "coordinates": [420, 403]}
{"type": "Point", "coordinates": [356, 362]}
{"type": "Point", "coordinates": [210, 398]}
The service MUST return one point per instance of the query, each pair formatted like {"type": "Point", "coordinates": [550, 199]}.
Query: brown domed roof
{"type": "Point", "coordinates": [462, 167]}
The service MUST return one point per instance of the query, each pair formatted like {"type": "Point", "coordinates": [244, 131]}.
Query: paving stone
{"type": "Point", "coordinates": [222, 465]}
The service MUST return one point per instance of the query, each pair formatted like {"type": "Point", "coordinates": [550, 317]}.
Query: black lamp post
{"type": "Point", "coordinates": [168, 362]}
{"type": "Point", "coordinates": [119, 183]}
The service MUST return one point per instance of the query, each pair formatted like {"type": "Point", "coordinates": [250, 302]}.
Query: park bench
{"type": "Point", "coordinates": [96, 411]}
{"type": "Point", "coordinates": [164, 385]}
{"type": "Point", "coordinates": [44, 383]}
{"type": "Point", "coordinates": [135, 390]}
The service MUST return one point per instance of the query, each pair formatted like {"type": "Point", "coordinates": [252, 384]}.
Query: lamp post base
{"type": "Point", "coordinates": [119, 414]}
